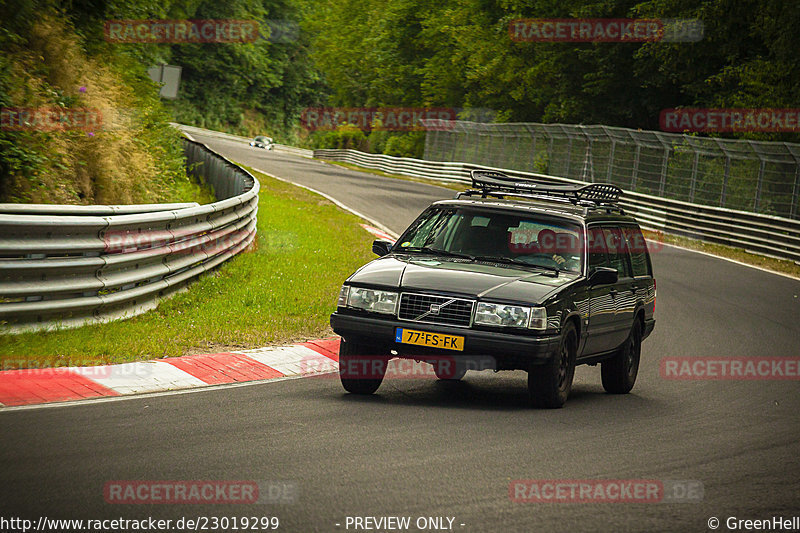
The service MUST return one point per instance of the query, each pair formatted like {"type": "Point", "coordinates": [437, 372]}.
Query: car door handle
{"type": "Point", "coordinates": [613, 293]}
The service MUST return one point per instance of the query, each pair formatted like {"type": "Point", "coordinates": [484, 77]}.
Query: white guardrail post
{"type": "Point", "coordinates": [65, 266]}
{"type": "Point", "coordinates": [763, 234]}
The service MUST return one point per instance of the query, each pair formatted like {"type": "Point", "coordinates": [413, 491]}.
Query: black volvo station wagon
{"type": "Point", "coordinates": [512, 274]}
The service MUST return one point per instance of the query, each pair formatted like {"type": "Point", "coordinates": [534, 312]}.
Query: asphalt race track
{"type": "Point", "coordinates": [423, 448]}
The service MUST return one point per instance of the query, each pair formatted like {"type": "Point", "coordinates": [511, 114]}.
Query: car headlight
{"type": "Point", "coordinates": [372, 300]}
{"type": "Point", "coordinates": [490, 314]}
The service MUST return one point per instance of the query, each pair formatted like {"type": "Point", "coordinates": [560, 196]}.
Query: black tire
{"type": "Point", "coordinates": [449, 369]}
{"type": "Point", "coordinates": [619, 372]}
{"type": "Point", "coordinates": [360, 372]}
{"type": "Point", "coordinates": [549, 385]}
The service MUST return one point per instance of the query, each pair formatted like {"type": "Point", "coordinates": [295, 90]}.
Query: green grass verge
{"type": "Point", "coordinates": [281, 290]}
{"type": "Point", "coordinates": [729, 252]}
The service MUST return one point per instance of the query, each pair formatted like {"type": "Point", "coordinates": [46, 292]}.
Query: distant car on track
{"type": "Point", "coordinates": [530, 275]}
{"type": "Point", "coordinates": [262, 142]}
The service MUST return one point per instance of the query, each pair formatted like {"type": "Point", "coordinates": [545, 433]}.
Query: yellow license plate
{"type": "Point", "coordinates": [433, 340]}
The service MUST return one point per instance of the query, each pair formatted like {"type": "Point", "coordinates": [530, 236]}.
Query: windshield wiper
{"type": "Point", "coordinates": [437, 251]}
{"type": "Point", "coordinates": [512, 261]}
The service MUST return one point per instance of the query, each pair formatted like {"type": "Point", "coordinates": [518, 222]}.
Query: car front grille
{"type": "Point", "coordinates": [450, 311]}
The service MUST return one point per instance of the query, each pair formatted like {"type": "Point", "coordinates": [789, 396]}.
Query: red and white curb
{"type": "Point", "coordinates": [379, 233]}
{"type": "Point", "coordinates": [46, 385]}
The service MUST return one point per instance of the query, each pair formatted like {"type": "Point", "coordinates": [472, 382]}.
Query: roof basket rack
{"type": "Point", "coordinates": [493, 183]}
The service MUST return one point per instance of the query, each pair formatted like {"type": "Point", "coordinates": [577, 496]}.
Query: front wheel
{"type": "Point", "coordinates": [619, 373]}
{"type": "Point", "coordinates": [359, 371]}
{"type": "Point", "coordinates": [449, 369]}
{"type": "Point", "coordinates": [549, 385]}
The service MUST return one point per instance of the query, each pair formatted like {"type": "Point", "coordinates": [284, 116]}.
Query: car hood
{"type": "Point", "coordinates": [461, 277]}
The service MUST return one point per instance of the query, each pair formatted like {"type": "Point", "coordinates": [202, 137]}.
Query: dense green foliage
{"type": "Point", "coordinates": [56, 54]}
{"type": "Point", "coordinates": [132, 156]}
{"type": "Point", "coordinates": [245, 88]}
{"type": "Point", "coordinates": [459, 54]}
{"type": "Point", "coordinates": [366, 53]}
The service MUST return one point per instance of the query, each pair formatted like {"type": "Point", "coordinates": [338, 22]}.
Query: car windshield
{"type": "Point", "coordinates": [522, 239]}
{"type": "Point", "coordinates": [262, 139]}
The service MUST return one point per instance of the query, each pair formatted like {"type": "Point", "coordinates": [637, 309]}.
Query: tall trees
{"type": "Point", "coordinates": [459, 53]}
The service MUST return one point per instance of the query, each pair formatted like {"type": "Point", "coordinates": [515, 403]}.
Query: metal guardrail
{"type": "Point", "coordinates": [221, 135]}
{"type": "Point", "coordinates": [763, 234]}
{"type": "Point", "coordinates": [302, 152]}
{"type": "Point", "coordinates": [65, 266]}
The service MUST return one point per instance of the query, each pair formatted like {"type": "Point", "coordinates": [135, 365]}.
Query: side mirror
{"type": "Point", "coordinates": [603, 276]}
{"type": "Point", "coordinates": [381, 247]}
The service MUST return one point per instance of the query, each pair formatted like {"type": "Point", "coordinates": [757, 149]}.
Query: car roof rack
{"type": "Point", "coordinates": [488, 183]}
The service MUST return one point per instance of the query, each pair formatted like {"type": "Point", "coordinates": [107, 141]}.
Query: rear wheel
{"type": "Point", "coordinates": [360, 370]}
{"type": "Point", "coordinates": [619, 373]}
{"type": "Point", "coordinates": [549, 385]}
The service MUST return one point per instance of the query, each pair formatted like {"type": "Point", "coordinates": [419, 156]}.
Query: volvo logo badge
{"type": "Point", "coordinates": [434, 309]}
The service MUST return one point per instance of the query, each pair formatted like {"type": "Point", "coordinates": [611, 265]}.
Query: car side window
{"type": "Point", "coordinates": [598, 252]}
{"type": "Point", "coordinates": [637, 247]}
{"type": "Point", "coordinates": [617, 251]}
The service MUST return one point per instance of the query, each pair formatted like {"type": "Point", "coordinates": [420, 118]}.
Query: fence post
{"type": "Point", "coordinates": [693, 183]}
{"type": "Point", "coordinates": [516, 151]}
{"type": "Point", "coordinates": [725, 180]}
{"type": "Point", "coordinates": [430, 141]}
{"type": "Point", "coordinates": [588, 161]}
{"type": "Point", "coordinates": [477, 147]}
{"type": "Point", "coordinates": [795, 189]}
{"type": "Point", "coordinates": [664, 163]}
{"type": "Point", "coordinates": [759, 183]}
{"type": "Point", "coordinates": [635, 165]}
{"type": "Point", "coordinates": [532, 130]}
{"type": "Point", "coordinates": [610, 172]}
{"type": "Point", "coordinates": [501, 153]}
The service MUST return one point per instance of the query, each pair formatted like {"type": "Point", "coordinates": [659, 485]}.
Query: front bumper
{"type": "Point", "coordinates": [504, 347]}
